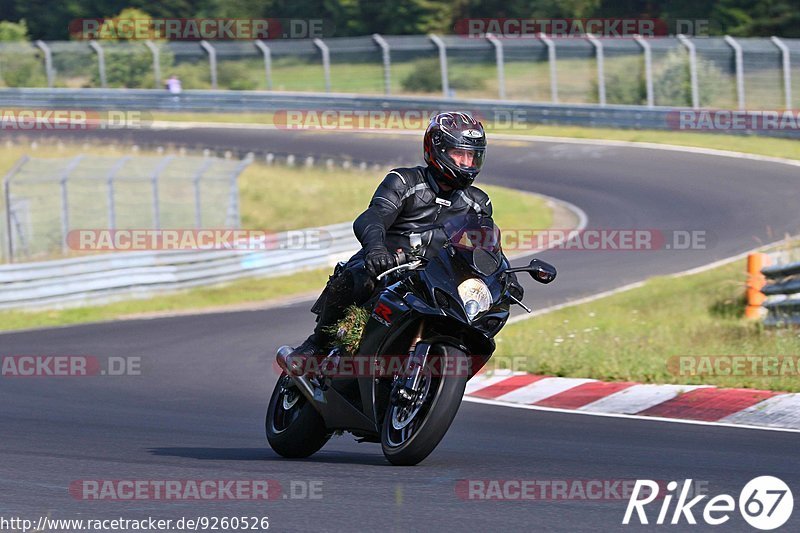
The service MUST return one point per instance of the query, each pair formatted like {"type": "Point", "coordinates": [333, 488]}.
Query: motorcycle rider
{"type": "Point", "coordinates": [408, 198]}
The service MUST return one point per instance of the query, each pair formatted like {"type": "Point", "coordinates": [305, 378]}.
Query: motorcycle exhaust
{"type": "Point", "coordinates": [300, 380]}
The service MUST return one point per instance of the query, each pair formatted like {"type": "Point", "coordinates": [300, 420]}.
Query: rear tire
{"type": "Point", "coordinates": [294, 428]}
{"type": "Point", "coordinates": [407, 447]}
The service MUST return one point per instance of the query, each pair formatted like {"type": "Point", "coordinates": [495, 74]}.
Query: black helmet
{"type": "Point", "coordinates": [454, 130]}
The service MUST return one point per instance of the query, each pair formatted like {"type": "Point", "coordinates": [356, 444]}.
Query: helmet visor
{"type": "Point", "coordinates": [468, 159]}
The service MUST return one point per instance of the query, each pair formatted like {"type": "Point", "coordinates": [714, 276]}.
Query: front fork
{"type": "Point", "coordinates": [407, 389]}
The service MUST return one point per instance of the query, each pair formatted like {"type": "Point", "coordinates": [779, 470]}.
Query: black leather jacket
{"type": "Point", "coordinates": [410, 198]}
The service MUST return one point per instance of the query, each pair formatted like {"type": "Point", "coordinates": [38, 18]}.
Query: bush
{"type": "Point", "coordinates": [239, 75]}
{"type": "Point", "coordinates": [132, 66]}
{"type": "Point", "coordinates": [625, 82]}
{"type": "Point", "coordinates": [129, 63]}
{"type": "Point", "coordinates": [426, 77]}
{"type": "Point", "coordinates": [20, 62]}
{"type": "Point", "coordinates": [672, 83]}
{"type": "Point", "coordinates": [13, 31]}
{"type": "Point", "coordinates": [22, 70]}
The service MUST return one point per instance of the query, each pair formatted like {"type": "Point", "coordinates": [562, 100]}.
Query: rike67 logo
{"type": "Point", "coordinates": [765, 503]}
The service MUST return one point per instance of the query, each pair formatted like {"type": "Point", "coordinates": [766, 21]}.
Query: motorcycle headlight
{"type": "Point", "coordinates": [476, 296]}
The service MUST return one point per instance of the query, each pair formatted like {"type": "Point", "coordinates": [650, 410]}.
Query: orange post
{"type": "Point", "coordinates": [755, 282]}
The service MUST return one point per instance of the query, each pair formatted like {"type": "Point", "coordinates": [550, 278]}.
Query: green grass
{"type": "Point", "coordinates": [632, 335]}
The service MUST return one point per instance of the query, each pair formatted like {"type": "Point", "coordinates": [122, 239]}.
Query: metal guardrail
{"type": "Point", "coordinates": [783, 294]}
{"type": "Point", "coordinates": [110, 277]}
{"type": "Point", "coordinates": [510, 114]}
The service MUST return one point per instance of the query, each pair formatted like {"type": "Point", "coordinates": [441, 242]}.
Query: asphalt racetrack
{"type": "Point", "coordinates": [197, 410]}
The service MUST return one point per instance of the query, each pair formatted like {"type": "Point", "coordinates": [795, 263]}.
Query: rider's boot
{"type": "Point", "coordinates": [333, 303]}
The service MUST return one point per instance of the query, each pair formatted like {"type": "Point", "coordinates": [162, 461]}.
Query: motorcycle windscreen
{"type": "Point", "coordinates": [477, 238]}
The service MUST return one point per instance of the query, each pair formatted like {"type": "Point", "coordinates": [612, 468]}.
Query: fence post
{"type": "Point", "coordinates": [501, 67]}
{"type": "Point", "coordinates": [154, 179]}
{"type": "Point", "coordinates": [101, 62]}
{"type": "Point", "coordinates": [7, 195]}
{"type": "Point", "coordinates": [65, 201]}
{"type": "Point", "coordinates": [551, 61]}
{"type": "Point", "coordinates": [326, 62]}
{"type": "Point", "coordinates": [692, 69]}
{"type": "Point", "coordinates": [787, 70]}
{"type": "Point", "coordinates": [212, 61]}
{"type": "Point", "coordinates": [267, 53]}
{"type": "Point", "coordinates": [600, 58]}
{"type": "Point", "coordinates": [737, 52]}
{"type": "Point", "coordinates": [156, 62]}
{"type": "Point", "coordinates": [198, 213]}
{"type": "Point", "coordinates": [234, 217]}
{"type": "Point", "coordinates": [387, 62]}
{"type": "Point", "coordinates": [442, 63]}
{"type": "Point", "coordinates": [48, 62]}
{"type": "Point", "coordinates": [648, 68]}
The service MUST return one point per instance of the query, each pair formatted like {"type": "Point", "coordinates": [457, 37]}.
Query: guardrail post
{"type": "Point", "coordinates": [601, 78]}
{"type": "Point", "coordinates": [64, 178]}
{"type": "Point", "coordinates": [212, 61]}
{"type": "Point", "coordinates": [442, 63]}
{"type": "Point", "coordinates": [387, 62]}
{"type": "Point", "coordinates": [48, 62]}
{"type": "Point", "coordinates": [267, 53]}
{"type": "Point", "coordinates": [198, 206]}
{"type": "Point", "coordinates": [101, 62]}
{"type": "Point", "coordinates": [648, 68]}
{"type": "Point", "coordinates": [326, 62]}
{"type": "Point", "coordinates": [787, 70]}
{"type": "Point", "coordinates": [156, 63]}
{"type": "Point", "coordinates": [737, 53]}
{"type": "Point", "coordinates": [154, 180]}
{"type": "Point", "coordinates": [500, 60]}
{"type": "Point", "coordinates": [551, 61]}
{"type": "Point", "coordinates": [692, 69]}
{"type": "Point", "coordinates": [7, 196]}
{"type": "Point", "coordinates": [755, 282]}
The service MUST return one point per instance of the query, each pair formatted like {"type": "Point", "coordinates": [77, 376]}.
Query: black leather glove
{"type": "Point", "coordinates": [379, 260]}
{"type": "Point", "coordinates": [514, 287]}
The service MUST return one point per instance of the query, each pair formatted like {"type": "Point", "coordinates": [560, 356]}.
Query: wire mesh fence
{"type": "Point", "coordinates": [44, 199]}
{"type": "Point", "coordinates": [753, 73]}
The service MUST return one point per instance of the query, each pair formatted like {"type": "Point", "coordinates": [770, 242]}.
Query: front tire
{"type": "Point", "coordinates": [411, 433]}
{"type": "Point", "coordinates": [294, 428]}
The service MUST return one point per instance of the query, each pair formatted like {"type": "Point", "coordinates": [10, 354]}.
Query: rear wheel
{"type": "Point", "coordinates": [294, 428]}
{"type": "Point", "coordinates": [413, 428]}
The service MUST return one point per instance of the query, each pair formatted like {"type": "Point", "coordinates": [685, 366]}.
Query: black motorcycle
{"type": "Point", "coordinates": [439, 308]}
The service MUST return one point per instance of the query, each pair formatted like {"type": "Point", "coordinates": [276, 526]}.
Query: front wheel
{"type": "Point", "coordinates": [412, 429]}
{"type": "Point", "coordinates": [294, 428]}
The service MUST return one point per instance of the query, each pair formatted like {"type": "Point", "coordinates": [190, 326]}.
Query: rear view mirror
{"type": "Point", "coordinates": [539, 270]}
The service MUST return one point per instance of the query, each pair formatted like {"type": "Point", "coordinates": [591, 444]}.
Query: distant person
{"type": "Point", "coordinates": [173, 85]}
